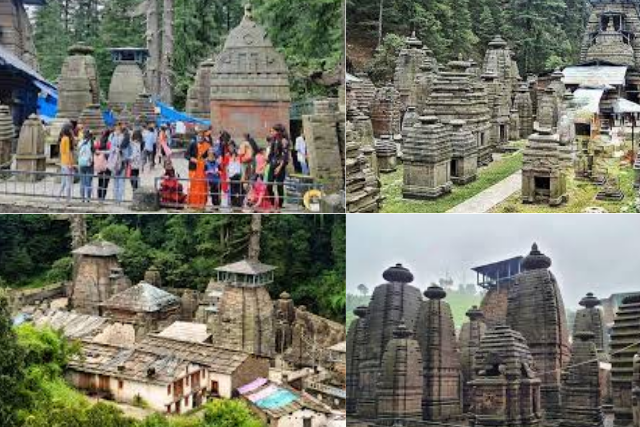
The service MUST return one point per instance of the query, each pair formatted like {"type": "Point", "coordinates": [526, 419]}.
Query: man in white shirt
{"type": "Point", "coordinates": [301, 150]}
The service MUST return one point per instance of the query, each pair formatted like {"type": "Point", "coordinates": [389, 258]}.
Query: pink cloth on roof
{"type": "Point", "coordinates": [252, 386]}
{"type": "Point", "coordinates": [266, 392]}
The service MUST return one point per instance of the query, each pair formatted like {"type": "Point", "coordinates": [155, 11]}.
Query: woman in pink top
{"type": "Point", "coordinates": [100, 168]}
{"type": "Point", "coordinates": [261, 163]}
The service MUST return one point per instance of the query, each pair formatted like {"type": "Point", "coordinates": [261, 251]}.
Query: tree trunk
{"type": "Point", "coordinates": [166, 72]}
{"type": "Point", "coordinates": [78, 228]}
{"type": "Point", "coordinates": [154, 46]}
{"type": "Point", "coordinates": [254, 237]}
{"type": "Point", "coordinates": [380, 23]}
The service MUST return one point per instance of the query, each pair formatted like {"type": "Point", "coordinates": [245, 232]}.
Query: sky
{"type": "Point", "coordinates": [596, 253]}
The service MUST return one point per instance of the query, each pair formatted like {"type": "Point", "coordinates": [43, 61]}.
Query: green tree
{"type": "Point", "coordinates": [51, 39]}
{"type": "Point", "coordinates": [12, 364]}
{"type": "Point", "coordinates": [229, 413]}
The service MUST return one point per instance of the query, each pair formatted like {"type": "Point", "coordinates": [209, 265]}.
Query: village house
{"type": "Point", "coordinates": [171, 376]}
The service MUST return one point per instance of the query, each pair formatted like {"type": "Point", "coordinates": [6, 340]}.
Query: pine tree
{"type": "Point", "coordinates": [12, 397]}
{"type": "Point", "coordinates": [51, 39]}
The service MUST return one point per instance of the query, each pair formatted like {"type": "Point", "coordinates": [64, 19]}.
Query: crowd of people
{"type": "Point", "coordinates": [222, 173]}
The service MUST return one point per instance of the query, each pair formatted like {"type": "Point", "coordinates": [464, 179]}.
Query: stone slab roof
{"type": "Point", "coordinates": [143, 297]}
{"type": "Point", "coordinates": [596, 75]}
{"type": "Point", "coordinates": [277, 400]}
{"type": "Point", "coordinates": [588, 100]}
{"type": "Point", "coordinates": [186, 331]}
{"type": "Point", "coordinates": [219, 360]}
{"type": "Point", "coordinates": [99, 248]}
{"type": "Point", "coordinates": [246, 267]}
{"type": "Point", "coordinates": [73, 325]}
{"type": "Point", "coordinates": [341, 347]}
{"type": "Point", "coordinates": [129, 363]}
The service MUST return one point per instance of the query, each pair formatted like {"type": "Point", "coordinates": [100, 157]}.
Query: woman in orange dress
{"type": "Point", "coordinates": [198, 188]}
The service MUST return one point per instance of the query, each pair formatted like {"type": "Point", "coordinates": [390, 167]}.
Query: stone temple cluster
{"type": "Point", "coordinates": [446, 120]}
{"type": "Point", "coordinates": [514, 362]}
{"type": "Point", "coordinates": [179, 348]}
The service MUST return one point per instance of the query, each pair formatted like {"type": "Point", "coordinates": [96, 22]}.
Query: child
{"type": "Point", "coordinates": [85, 163]}
{"type": "Point", "coordinates": [212, 170]}
{"type": "Point", "coordinates": [258, 199]}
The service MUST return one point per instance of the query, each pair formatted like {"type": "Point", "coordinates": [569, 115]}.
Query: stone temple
{"type": "Point", "coordinates": [590, 319]}
{"type": "Point", "coordinates": [356, 341]}
{"type": "Point", "coordinates": [249, 82]}
{"type": "Point", "coordinates": [536, 310]}
{"type": "Point", "coordinates": [127, 81]}
{"type": "Point", "coordinates": [506, 388]}
{"type": "Point", "coordinates": [392, 303]}
{"type": "Point", "coordinates": [469, 341]}
{"type": "Point", "coordinates": [16, 31]}
{"type": "Point", "coordinates": [436, 334]}
{"type": "Point", "coordinates": [401, 383]}
{"type": "Point", "coordinates": [408, 65]}
{"type": "Point", "coordinates": [78, 83]}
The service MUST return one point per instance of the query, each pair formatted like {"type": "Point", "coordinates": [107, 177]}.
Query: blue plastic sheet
{"type": "Point", "coordinates": [278, 399]}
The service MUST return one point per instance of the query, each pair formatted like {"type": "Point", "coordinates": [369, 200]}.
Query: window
{"type": "Point", "coordinates": [169, 389]}
{"type": "Point", "coordinates": [168, 409]}
{"type": "Point", "coordinates": [214, 388]}
{"type": "Point", "coordinates": [186, 401]}
{"type": "Point", "coordinates": [306, 422]}
{"type": "Point", "coordinates": [120, 384]}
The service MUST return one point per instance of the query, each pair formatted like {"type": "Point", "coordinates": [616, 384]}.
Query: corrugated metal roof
{"type": "Point", "coordinates": [596, 75]}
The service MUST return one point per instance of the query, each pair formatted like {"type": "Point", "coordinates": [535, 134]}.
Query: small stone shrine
{"type": "Point", "coordinates": [245, 314]}
{"type": "Point", "coordinates": [506, 388]}
{"type": "Point", "coordinates": [386, 112]}
{"type": "Point", "coordinates": [522, 102]}
{"type": "Point", "coordinates": [78, 82]}
{"type": "Point", "coordinates": [500, 108]}
{"type": "Point", "coordinates": [544, 176]}
{"type": "Point", "coordinates": [424, 81]}
{"type": "Point", "coordinates": [363, 189]}
{"type": "Point", "coordinates": [7, 135]}
{"type": "Point", "coordinates": [147, 308]}
{"type": "Point", "coordinates": [356, 340]}
{"type": "Point", "coordinates": [464, 157]}
{"type": "Point", "coordinates": [153, 277]}
{"type": "Point", "coordinates": [365, 92]}
{"type": "Point", "coordinates": [456, 95]}
{"type": "Point", "coordinates": [30, 155]}
{"type": "Point", "coordinates": [625, 335]}
{"type": "Point", "coordinates": [91, 118]}
{"type": "Point", "coordinates": [400, 385]}
{"type": "Point", "coordinates": [427, 155]}
{"type": "Point", "coordinates": [498, 59]}
{"type": "Point", "coordinates": [581, 403]}
{"type": "Point", "coordinates": [249, 82]}
{"type": "Point", "coordinates": [410, 118]}
{"type": "Point", "coordinates": [386, 152]}
{"type": "Point", "coordinates": [536, 310]}
{"type": "Point", "coordinates": [97, 276]}
{"type": "Point", "coordinates": [407, 68]}
{"type": "Point", "coordinates": [436, 333]}
{"type": "Point", "coordinates": [127, 80]}
{"type": "Point", "coordinates": [198, 96]}
{"type": "Point", "coordinates": [143, 109]}
{"type": "Point", "coordinates": [392, 302]}
{"type": "Point", "coordinates": [469, 341]}
{"type": "Point", "coordinates": [590, 319]}
{"type": "Point", "coordinates": [324, 133]}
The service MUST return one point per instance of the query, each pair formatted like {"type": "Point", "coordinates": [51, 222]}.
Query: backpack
{"type": "Point", "coordinates": [85, 158]}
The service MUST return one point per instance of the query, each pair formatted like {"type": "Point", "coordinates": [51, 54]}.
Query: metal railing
{"type": "Point", "coordinates": [104, 188]}
{"type": "Point", "coordinates": [238, 195]}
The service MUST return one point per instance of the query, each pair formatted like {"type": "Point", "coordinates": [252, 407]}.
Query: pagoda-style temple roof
{"type": "Point", "coordinates": [142, 297]}
{"type": "Point", "coordinates": [246, 267]}
{"type": "Point", "coordinates": [491, 275]}
{"type": "Point", "coordinates": [99, 248]}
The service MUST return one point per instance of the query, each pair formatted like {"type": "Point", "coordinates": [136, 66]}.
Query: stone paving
{"type": "Point", "coordinates": [492, 196]}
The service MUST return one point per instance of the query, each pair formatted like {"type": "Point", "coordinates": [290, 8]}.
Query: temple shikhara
{"type": "Point", "coordinates": [513, 361]}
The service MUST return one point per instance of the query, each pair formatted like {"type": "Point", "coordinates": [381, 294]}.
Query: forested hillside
{"type": "Point", "coordinates": [309, 251]}
{"type": "Point", "coordinates": [308, 33]}
{"type": "Point", "coordinates": [544, 33]}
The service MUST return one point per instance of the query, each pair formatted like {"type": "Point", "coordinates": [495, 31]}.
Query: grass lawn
{"type": "Point", "coordinates": [581, 196]}
{"type": "Point", "coordinates": [487, 177]}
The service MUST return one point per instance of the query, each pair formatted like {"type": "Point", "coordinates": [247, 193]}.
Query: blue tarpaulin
{"type": "Point", "coordinates": [170, 115]}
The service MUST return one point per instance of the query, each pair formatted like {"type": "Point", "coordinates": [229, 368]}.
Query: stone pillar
{"type": "Point", "coordinates": [386, 152]}
{"type": "Point", "coordinates": [581, 403]}
{"type": "Point", "coordinates": [427, 156]}
{"type": "Point", "coordinates": [624, 334]}
{"type": "Point", "coordinates": [30, 153]}
{"type": "Point", "coordinates": [386, 112]}
{"type": "Point", "coordinates": [435, 331]}
{"type": "Point", "coordinates": [470, 335]}
{"type": "Point", "coordinates": [400, 385]}
{"type": "Point", "coordinates": [325, 144]}
{"type": "Point", "coordinates": [7, 135]}
{"type": "Point", "coordinates": [524, 105]}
